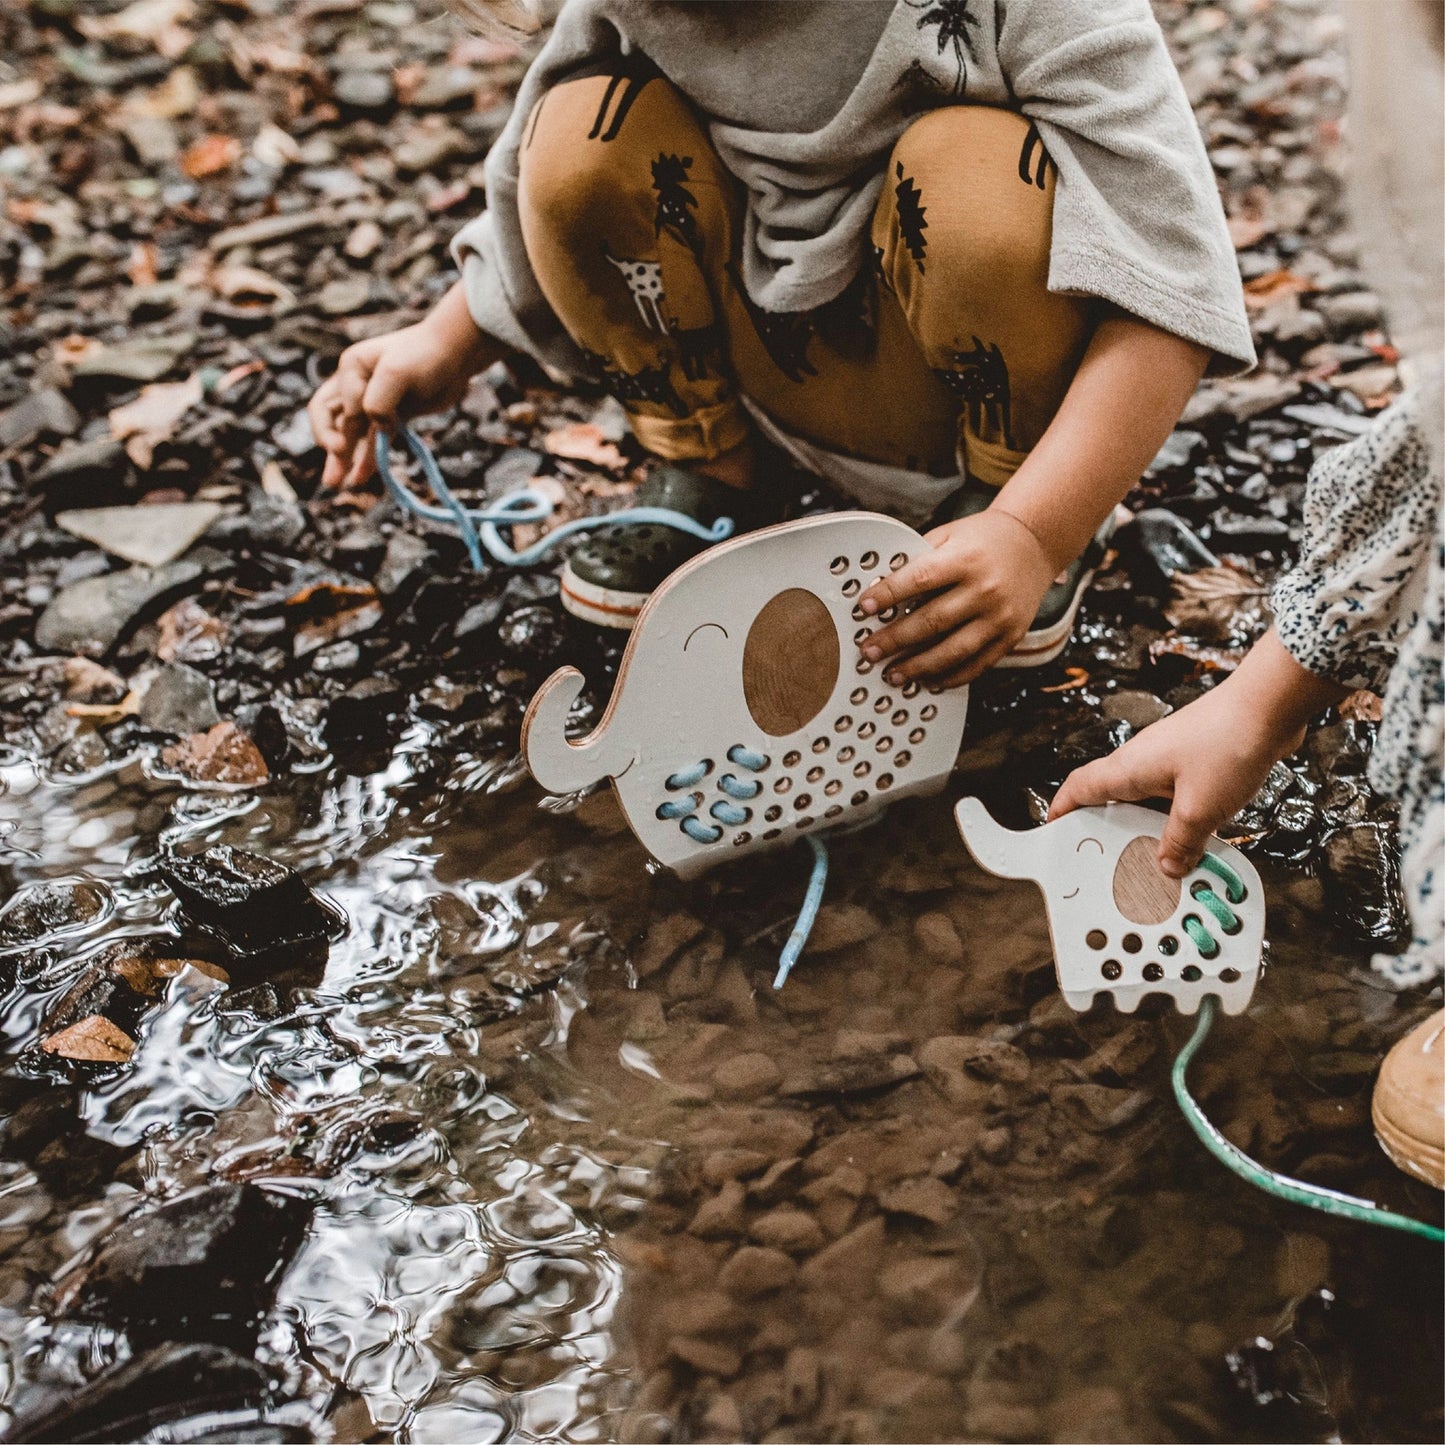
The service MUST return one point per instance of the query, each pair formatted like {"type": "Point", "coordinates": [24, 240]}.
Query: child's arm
{"type": "Point", "coordinates": [991, 570]}
{"type": "Point", "coordinates": [421, 368]}
{"type": "Point", "coordinates": [1211, 757]}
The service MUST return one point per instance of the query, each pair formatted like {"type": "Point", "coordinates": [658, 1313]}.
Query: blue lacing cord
{"type": "Point", "coordinates": [812, 899]}
{"type": "Point", "coordinates": [478, 526]}
{"type": "Point", "coordinates": [1328, 1201]}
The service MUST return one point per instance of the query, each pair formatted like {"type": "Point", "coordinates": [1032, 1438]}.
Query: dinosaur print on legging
{"type": "Point", "coordinates": [979, 378]}
{"type": "Point", "coordinates": [1031, 173]}
{"type": "Point", "coordinates": [675, 203]}
{"type": "Point", "coordinates": [699, 349]}
{"type": "Point", "coordinates": [628, 75]}
{"type": "Point", "coordinates": [786, 335]}
{"type": "Point", "coordinates": [651, 383]}
{"type": "Point", "coordinates": [912, 217]}
{"type": "Point", "coordinates": [644, 281]}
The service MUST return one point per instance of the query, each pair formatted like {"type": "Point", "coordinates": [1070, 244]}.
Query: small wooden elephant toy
{"type": "Point", "coordinates": [743, 716]}
{"type": "Point", "coordinates": [1119, 924]}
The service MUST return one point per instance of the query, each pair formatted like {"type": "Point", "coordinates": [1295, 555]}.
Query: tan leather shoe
{"type": "Point", "coordinates": [1409, 1103]}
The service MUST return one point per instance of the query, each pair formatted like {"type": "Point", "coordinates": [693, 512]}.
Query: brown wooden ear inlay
{"type": "Point", "coordinates": [1141, 892]}
{"type": "Point", "coordinates": [790, 662]}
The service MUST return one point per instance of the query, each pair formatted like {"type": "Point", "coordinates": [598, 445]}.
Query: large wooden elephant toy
{"type": "Point", "coordinates": [744, 716]}
{"type": "Point", "coordinates": [1119, 924]}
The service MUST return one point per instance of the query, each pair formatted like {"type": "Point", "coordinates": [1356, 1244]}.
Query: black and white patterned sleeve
{"type": "Point", "coordinates": [1359, 587]}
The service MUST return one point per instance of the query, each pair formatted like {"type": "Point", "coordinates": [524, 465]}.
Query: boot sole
{"type": "Point", "coordinates": [1416, 1157]}
{"type": "Point", "coordinates": [1037, 649]}
{"type": "Point", "coordinates": [601, 606]}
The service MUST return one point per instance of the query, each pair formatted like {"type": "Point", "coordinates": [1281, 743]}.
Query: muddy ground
{"type": "Point", "coordinates": [422, 1110]}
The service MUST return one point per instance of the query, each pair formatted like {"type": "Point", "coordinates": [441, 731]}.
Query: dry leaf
{"type": "Point", "coordinates": [1077, 676]}
{"type": "Point", "coordinates": [93, 1040]}
{"type": "Point", "coordinates": [248, 286]}
{"type": "Point", "coordinates": [581, 441]}
{"type": "Point", "coordinates": [87, 681]}
{"type": "Point", "coordinates": [1210, 659]}
{"type": "Point", "coordinates": [190, 634]}
{"type": "Point", "coordinates": [102, 714]}
{"type": "Point", "coordinates": [1363, 706]}
{"type": "Point", "coordinates": [210, 155]}
{"type": "Point", "coordinates": [1273, 286]}
{"type": "Point", "coordinates": [1224, 605]}
{"type": "Point", "coordinates": [141, 268]}
{"type": "Point", "coordinates": [223, 754]}
{"type": "Point", "coordinates": [152, 417]}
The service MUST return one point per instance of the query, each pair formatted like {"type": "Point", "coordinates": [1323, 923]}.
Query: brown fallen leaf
{"type": "Point", "coordinates": [581, 441]}
{"type": "Point", "coordinates": [104, 713]}
{"type": "Point", "coordinates": [149, 420]}
{"type": "Point", "coordinates": [1210, 659]}
{"type": "Point", "coordinates": [1264, 291]}
{"type": "Point", "coordinates": [147, 976]}
{"type": "Point", "coordinates": [1078, 677]}
{"type": "Point", "coordinates": [87, 681]}
{"type": "Point", "coordinates": [223, 754]}
{"type": "Point", "coordinates": [92, 1040]}
{"type": "Point", "coordinates": [142, 267]}
{"type": "Point", "coordinates": [1363, 706]}
{"type": "Point", "coordinates": [331, 611]}
{"type": "Point", "coordinates": [1223, 605]}
{"type": "Point", "coordinates": [190, 634]}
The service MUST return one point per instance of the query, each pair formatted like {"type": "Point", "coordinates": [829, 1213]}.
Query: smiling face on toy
{"type": "Point", "coordinates": [743, 715]}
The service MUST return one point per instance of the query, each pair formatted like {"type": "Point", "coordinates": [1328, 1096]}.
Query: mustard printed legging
{"type": "Point", "coordinates": [631, 223]}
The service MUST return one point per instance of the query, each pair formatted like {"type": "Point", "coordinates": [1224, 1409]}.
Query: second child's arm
{"type": "Point", "coordinates": [990, 571]}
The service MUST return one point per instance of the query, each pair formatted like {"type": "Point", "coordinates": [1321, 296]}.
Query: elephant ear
{"type": "Point", "coordinates": [790, 662]}
{"type": "Point", "coordinates": [1142, 893]}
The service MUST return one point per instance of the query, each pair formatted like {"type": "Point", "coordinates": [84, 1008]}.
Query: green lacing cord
{"type": "Point", "coordinates": [1233, 883]}
{"type": "Point", "coordinates": [1328, 1201]}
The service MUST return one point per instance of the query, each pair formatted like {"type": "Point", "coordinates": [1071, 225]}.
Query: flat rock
{"type": "Point", "coordinates": [179, 701]}
{"type": "Point", "coordinates": [148, 358]}
{"type": "Point", "coordinates": [91, 616]}
{"type": "Point", "coordinates": [39, 911]}
{"type": "Point", "coordinates": [854, 1076]}
{"type": "Point", "coordinates": [150, 536]}
{"type": "Point", "coordinates": [754, 1271]}
{"type": "Point", "coordinates": [747, 1076]}
{"type": "Point", "coordinates": [42, 413]}
{"type": "Point", "coordinates": [928, 1199]}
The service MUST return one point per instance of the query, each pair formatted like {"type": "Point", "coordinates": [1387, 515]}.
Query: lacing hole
{"type": "Point", "coordinates": [862, 635]}
{"type": "Point", "coordinates": [845, 755]}
{"type": "Point", "coordinates": [834, 811]}
{"type": "Point", "coordinates": [917, 736]}
{"type": "Point", "coordinates": [783, 785]}
{"type": "Point", "coordinates": [867, 729]}
{"type": "Point", "coordinates": [821, 745]}
{"type": "Point", "coordinates": [859, 798]}
{"type": "Point", "coordinates": [773, 814]}
{"type": "Point", "coordinates": [1132, 943]}
{"type": "Point", "coordinates": [852, 587]}
{"type": "Point", "coordinates": [1229, 975]}
{"type": "Point", "coordinates": [858, 614]}
{"type": "Point", "coordinates": [1096, 938]}
{"type": "Point", "coordinates": [740, 838]}
{"type": "Point", "coordinates": [1168, 945]}
{"type": "Point", "coordinates": [833, 788]}
{"type": "Point", "coordinates": [897, 560]}
{"type": "Point", "coordinates": [884, 744]}
{"type": "Point", "coordinates": [858, 695]}
{"type": "Point", "coordinates": [803, 800]}
{"type": "Point", "coordinates": [1112, 969]}
{"type": "Point", "coordinates": [910, 689]}
{"type": "Point", "coordinates": [888, 614]}
{"type": "Point", "coordinates": [863, 666]}
{"type": "Point", "coordinates": [899, 718]}
{"type": "Point", "coordinates": [884, 780]}
{"type": "Point", "coordinates": [838, 566]}
{"type": "Point", "coordinates": [815, 775]}
{"type": "Point", "coordinates": [928, 713]}
{"type": "Point", "coordinates": [1153, 972]}
{"type": "Point", "coordinates": [843, 724]}
{"type": "Point", "coordinates": [862, 770]}
{"type": "Point", "coordinates": [771, 834]}
{"type": "Point", "coordinates": [803, 823]}
{"type": "Point", "coordinates": [882, 703]}
{"type": "Point", "coordinates": [1191, 973]}
{"type": "Point", "coordinates": [902, 758]}
{"type": "Point", "coordinates": [792, 759]}
{"type": "Point", "coordinates": [868, 560]}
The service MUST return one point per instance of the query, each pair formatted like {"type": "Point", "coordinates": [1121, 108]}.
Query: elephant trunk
{"type": "Point", "coordinates": [999, 849]}
{"type": "Point", "coordinates": [558, 765]}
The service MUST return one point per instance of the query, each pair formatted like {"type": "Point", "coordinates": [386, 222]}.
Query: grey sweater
{"type": "Point", "coordinates": [804, 100]}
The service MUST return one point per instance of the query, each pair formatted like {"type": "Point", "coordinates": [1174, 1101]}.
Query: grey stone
{"type": "Point", "coordinates": [39, 911]}
{"type": "Point", "coordinates": [42, 413]}
{"type": "Point", "coordinates": [1178, 450]}
{"type": "Point", "coordinates": [344, 295]}
{"type": "Point", "coordinates": [147, 358]}
{"type": "Point", "coordinates": [1350, 312]}
{"type": "Point", "coordinates": [366, 90]}
{"type": "Point", "coordinates": [446, 85]}
{"type": "Point", "coordinates": [427, 149]}
{"type": "Point", "coordinates": [90, 617]}
{"type": "Point", "coordinates": [406, 556]}
{"type": "Point", "coordinates": [270, 523]}
{"type": "Point", "coordinates": [152, 137]}
{"type": "Point", "coordinates": [149, 536]}
{"type": "Point", "coordinates": [1135, 707]}
{"type": "Point", "coordinates": [179, 701]}
{"type": "Point", "coordinates": [104, 456]}
{"type": "Point", "coordinates": [294, 435]}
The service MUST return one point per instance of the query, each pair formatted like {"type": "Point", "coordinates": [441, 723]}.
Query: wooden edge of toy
{"type": "Point", "coordinates": [544, 727]}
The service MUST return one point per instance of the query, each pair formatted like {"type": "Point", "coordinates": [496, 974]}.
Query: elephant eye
{"type": "Point", "coordinates": [1094, 841]}
{"type": "Point", "coordinates": [703, 627]}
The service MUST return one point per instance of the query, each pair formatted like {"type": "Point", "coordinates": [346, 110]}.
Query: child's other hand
{"type": "Point", "coordinates": [989, 572]}
{"type": "Point", "coordinates": [377, 383]}
{"type": "Point", "coordinates": [1210, 758]}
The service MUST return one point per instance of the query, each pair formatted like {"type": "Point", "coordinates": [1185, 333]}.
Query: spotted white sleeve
{"type": "Point", "coordinates": [1369, 516]}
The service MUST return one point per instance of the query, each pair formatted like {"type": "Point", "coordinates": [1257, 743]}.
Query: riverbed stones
{"type": "Point", "coordinates": [755, 1270]}
{"type": "Point", "coordinates": [747, 1076]}
{"type": "Point", "coordinates": [149, 536]}
{"type": "Point", "coordinates": [179, 701]}
{"type": "Point", "coordinates": [793, 1231]}
{"type": "Point", "coordinates": [92, 615]}
{"type": "Point", "coordinates": [43, 413]}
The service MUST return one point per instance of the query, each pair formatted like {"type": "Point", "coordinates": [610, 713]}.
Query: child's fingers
{"type": "Point", "coordinates": [974, 670]}
{"type": "Point", "coordinates": [1103, 781]}
{"type": "Point", "coordinates": [926, 573]}
{"type": "Point", "coordinates": [1185, 834]}
{"type": "Point", "coordinates": [362, 459]}
{"type": "Point", "coordinates": [944, 613]}
{"type": "Point", "coordinates": [952, 653]}
{"type": "Point", "coordinates": [323, 411]}
{"type": "Point", "coordinates": [385, 393]}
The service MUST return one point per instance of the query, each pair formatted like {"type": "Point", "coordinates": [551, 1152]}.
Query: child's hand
{"type": "Point", "coordinates": [384, 380]}
{"type": "Point", "coordinates": [1210, 758]}
{"type": "Point", "coordinates": [989, 572]}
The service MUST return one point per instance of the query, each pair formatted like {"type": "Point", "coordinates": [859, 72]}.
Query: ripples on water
{"type": "Point", "coordinates": [508, 1134]}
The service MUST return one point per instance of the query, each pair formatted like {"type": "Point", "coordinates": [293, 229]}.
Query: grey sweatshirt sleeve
{"type": "Point", "coordinates": [1137, 215]}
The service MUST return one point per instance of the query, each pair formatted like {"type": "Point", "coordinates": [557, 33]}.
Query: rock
{"type": "Point", "coordinates": [1158, 545]}
{"type": "Point", "coordinates": [1178, 450]}
{"type": "Point", "coordinates": [928, 1199]}
{"type": "Point", "coordinates": [724, 1164]}
{"type": "Point", "coordinates": [222, 754]}
{"type": "Point", "coordinates": [149, 536]}
{"type": "Point", "coordinates": [1349, 313]}
{"type": "Point", "coordinates": [429, 148]}
{"type": "Point", "coordinates": [364, 712]}
{"type": "Point", "coordinates": [269, 524]}
{"type": "Point", "coordinates": [179, 701]}
{"type": "Point", "coordinates": [159, 1391]}
{"type": "Point", "coordinates": [1136, 708]}
{"type": "Point", "coordinates": [147, 358]}
{"type": "Point", "coordinates": [402, 566]}
{"type": "Point", "coordinates": [1359, 866]}
{"type": "Point", "coordinates": [790, 1230]}
{"type": "Point", "coordinates": [848, 1261]}
{"type": "Point", "coordinates": [947, 1059]}
{"type": "Point", "coordinates": [922, 1288]}
{"type": "Point", "coordinates": [854, 1076]}
{"type": "Point", "coordinates": [446, 85]}
{"type": "Point", "coordinates": [364, 241]}
{"type": "Point", "coordinates": [43, 413]}
{"type": "Point", "coordinates": [345, 295]}
{"type": "Point", "coordinates": [722, 1216]}
{"type": "Point", "coordinates": [38, 912]}
{"type": "Point", "coordinates": [478, 617]}
{"type": "Point", "coordinates": [202, 1266]}
{"type": "Point", "coordinates": [840, 925]}
{"type": "Point", "coordinates": [802, 1382]}
{"type": "Point", "coordinates": [1099, 1109]}
{"type": "Point", "coordinates": [664, 941]}
{"type": "Point", "coordinates": [707, 1357]}
{"type": "Point", "coordinates": [364, 90]}
{"type": "Point", "coordinates": [85, 473]}
{"type": "Point", "coordinates": [753, 1271]}
{"type": "Point", "coordinates": [252, 903]}
{"type": "Point", "coordinates": [937, 935]}
{"type": "Point", "coordinates": [93, 615]}
{"type": "Point", "coordinates": [747, 1076]}
{"type": "Point", "coordinates": [153, 138]}
{"type": "Point", "coordinates": [87, 681]}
